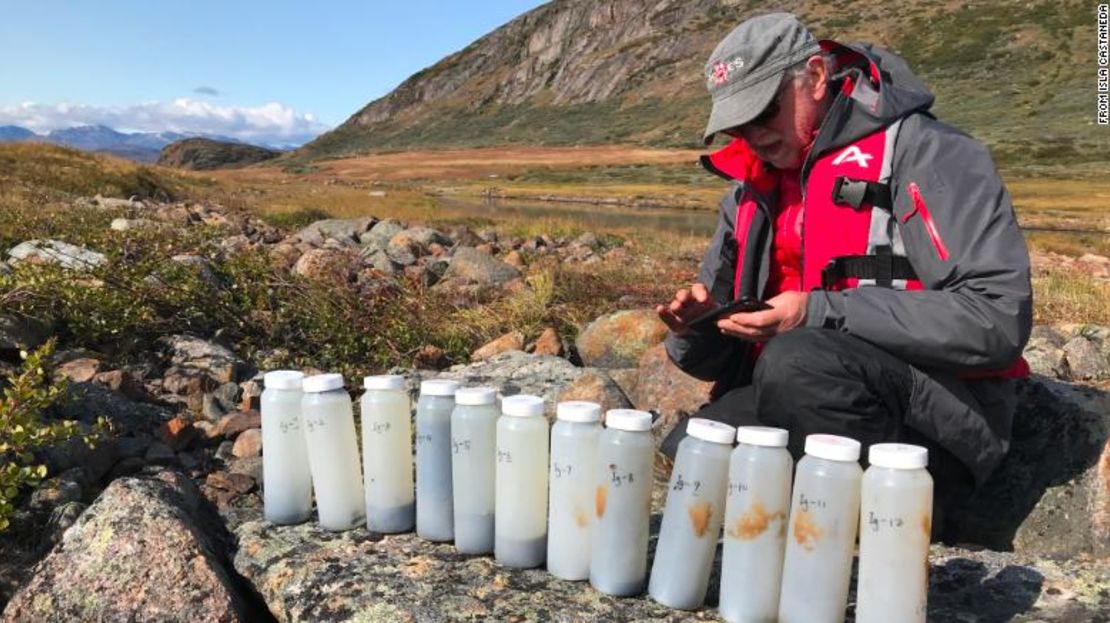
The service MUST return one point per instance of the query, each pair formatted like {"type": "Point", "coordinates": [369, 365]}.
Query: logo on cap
{"type": "Point", "coordinates": [720, 70]}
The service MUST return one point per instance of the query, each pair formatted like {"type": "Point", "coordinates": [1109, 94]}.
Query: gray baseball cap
{"type": "Point", "coordinates": [745, 70]}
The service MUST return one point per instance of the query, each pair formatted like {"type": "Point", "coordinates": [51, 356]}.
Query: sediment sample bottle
{"type": "Point", "coordinates": [756, 512]}
{"type": "Point", "coordinates": [693, 515]}
{"type": "Point", "coordinates": [435, 512]}
{"type": "Point", "coordinates": [473, 462]}
{"type": "Point", "coordinates": [521, 505]}
{"type": "Point", "coordinates": [287, 481]}
{"type": "Point", "coordinates": [572, 479]}
{"type": "Point", "coordinates": [329, 431]}
{"type": "Point", "coordinates": [824, 517]}
{"type": "Point", "coordinates": [622, 503]}
{"type": "Point", "coordinates": [896, 519]}
{"type": "Point", "coordinates": [387, 454]}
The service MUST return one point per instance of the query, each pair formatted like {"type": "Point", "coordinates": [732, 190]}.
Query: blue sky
{"type": "Point", "coordinates": [263, 71]}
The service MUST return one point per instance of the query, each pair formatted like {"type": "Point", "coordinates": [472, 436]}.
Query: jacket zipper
{"type": "Point", "coordinates": [919, 206]}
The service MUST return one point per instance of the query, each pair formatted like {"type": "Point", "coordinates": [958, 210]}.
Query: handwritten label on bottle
{"type": "Point", "coordinates": [877, 523]}
{"type": "Point", "coordinates": [618, 477]}
{"type": "Point", "coordinates": [558, 471]}
{"type": "Point", "coordinates": [808, 503]}
{"type": "Point", "coordinates": [680, 484]}
{"type": "Point", "coordinates": [503, 456]}
{"type": "Point", "coordinates": [459, 446]}
{"type": "Point", "coordinates": [289, 425]}
{"type": "Point", "coordinates": [312, 423]}
{"type": "Point", "coordinates": [737, 488]}
{"type": "Point", "coordinates": [423, 439]}
{"type": "Point", "coordinates": [379, 428]}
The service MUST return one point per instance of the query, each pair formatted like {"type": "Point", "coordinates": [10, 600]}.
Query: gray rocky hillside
{"type": "Point", "coordinates": [624, 71]}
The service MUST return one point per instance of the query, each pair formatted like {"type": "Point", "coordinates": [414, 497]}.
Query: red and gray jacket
{"type": "Point", "coordinates": [909, 241]}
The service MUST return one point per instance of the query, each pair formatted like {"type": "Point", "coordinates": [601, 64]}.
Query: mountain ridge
{"type": "Point", "coordinates": [617, 71]}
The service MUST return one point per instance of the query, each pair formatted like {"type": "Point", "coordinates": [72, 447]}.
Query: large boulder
{"type": "Point", "coordinates": [470, 264]}
{"type": "Point", "coordinates": [1051, 494]}
{"type": "Point", "coordinates": [20, 332]}
{"type": "Point", "coordinates": [55, 252]}
{"type": "Point", "coordinates": [141, 552]}
{"type": "Point", "coordinates": [618, 340]}
{"type": "Point", "coordinates": [342, 229]}
{"type": "Point", "coordinates": [215, 360]}
{"type": "Point", "coordinates": [327, 265]}
{"type": "Point", "coordinates": [660, 386]}
{"type": "Point", "coordinates": [378, 237]}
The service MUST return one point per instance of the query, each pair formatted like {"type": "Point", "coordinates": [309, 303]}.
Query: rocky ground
{"type": "Point", "coordinates": [163, 521]}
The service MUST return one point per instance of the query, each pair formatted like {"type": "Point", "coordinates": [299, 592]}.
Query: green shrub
{"type": "Point", "coordinates": [26, 429]}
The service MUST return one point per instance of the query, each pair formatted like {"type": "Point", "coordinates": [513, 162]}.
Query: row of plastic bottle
{"type": "Point", "coordinates": [485, 479]}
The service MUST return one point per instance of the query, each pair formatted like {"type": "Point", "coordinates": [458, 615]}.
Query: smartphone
{"type": "Point", "coordinates": [739, 305]}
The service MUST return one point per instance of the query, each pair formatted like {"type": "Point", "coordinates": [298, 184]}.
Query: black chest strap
{"type": "Point", "coordinates": [883, 267]}
{"type": "Point", "coordinates": [855, 193]}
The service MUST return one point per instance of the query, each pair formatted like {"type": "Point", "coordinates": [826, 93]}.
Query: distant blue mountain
{"type": "Point", "coordinates": [12, 133]}
{"type": "Point", "coordinates": [140, 146]}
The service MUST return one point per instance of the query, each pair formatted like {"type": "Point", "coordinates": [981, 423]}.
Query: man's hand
{"type": "Point", "coordinates": [687, 305]}
{"type": "Point", "coordinates": [788, 312]}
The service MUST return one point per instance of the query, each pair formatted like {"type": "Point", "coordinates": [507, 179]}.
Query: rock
{"type": "Point", "coordinates": [223, 453]}
{"type": "Point", "coordinates": [202, 267]}
{"type": "Point", "coordinates": [79, 370]}
{"type": "Point", "coordinates": [137, 224]}
{"type": "Point", "coordinates": [618, 340]}
{"type": "Point", "coordinates": [215, 360]}
{"type": "Point", "coordinates": [136, 446]}
{"type": "Point", "coordinates": [239, 483]}
{"type": "Point", "coordinates": [515, 259]}
{"type": "Point", "coordinates": [235, 245]}
{"type": "Point", "coordinates": [178, 433]}
{"type": "Point", "coordinates": [249, 466]}
{"type": "Point", "coordinates": [248, 444]}
{"type": "Point", "coordinates": [416, 242]}
{"type": "Point", "coordinates": [20, 332]}
{"type": "Point", "coordinates": [430, 358]}
{"type": "Point", "coordinates": [619, 255]}
{"type": "Point", "coordinates": [232, 424]}
{"type": "Point", "coordinates": [1045, 352]}
{"type": "Point", "coordinates": [56, 252]}
{"type": "Point", "coordinates": [113, 203]}
{"type": "Point", "coordinates": [124, 382]}
{"type": "Point", "coordinates": [483, 268]}
{"type": "Point", "coordinates": [507, 342]}
{"type": "Point", "coordinates": [660, 386]}
{"type": "Point", "coordinates": [1051, 494]}
{"type": "Point", "coordinates": [142, 552]}
{"type": "Point", "coordinates": [86, 402]}
{"type": "Point", "coordinates": [549, 343]}
{"type": "Point", "coordinates": [595, 386]}
{"type": "Point", "coordinates": [55, 492]}
{"type": "Point", "coordinates": [349, 229]}
{"type": "Point", "coordinates": [228, 396]}
{"type": "Point", "coordinates": [377, 239]}
{"type": "Point", "coordinates": [380, 261]}
{"type": "Point", "coordinates": [62, 518]}
{"type": "Point", "coordinates": [307, 574]}
{"type": "Point", "coordinates": [329, 265]}
{"type": "Point", "coordinates": [285, 255]}
{"type": "Point", "coordinates": [513, 372]}
{"type": "Point", "coordinates": [250, 392]}
{"type": "Point", "coordinates": [1085, 359]}
{"type": "Point", "coordinates": [159, 454]}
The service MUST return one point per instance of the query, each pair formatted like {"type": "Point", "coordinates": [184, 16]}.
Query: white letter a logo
{"type": "Point", "coordinates": [855, 155]}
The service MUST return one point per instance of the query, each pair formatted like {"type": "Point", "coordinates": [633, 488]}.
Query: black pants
{"type": "Point", "coordinates": [821, 381]}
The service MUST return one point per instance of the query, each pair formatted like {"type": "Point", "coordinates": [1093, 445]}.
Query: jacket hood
{"type": "Point", "coordinates": [877, 89]}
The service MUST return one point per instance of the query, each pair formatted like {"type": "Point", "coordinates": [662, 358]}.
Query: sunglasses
{"type": "Point", "coordinates": [762, 119]}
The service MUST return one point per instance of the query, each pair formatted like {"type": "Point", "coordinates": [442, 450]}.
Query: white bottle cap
{"type": "Point", "coordinates": [762, 436]}
{"type": "Point", "coordinates": [522, 405]}
{"type": "Point", "coordinates": [283, 379]}
{"type": "Point", "coordinates": [832, 447]}
{"type": "Point", "coordinates": [578, 411]}
{"type": "Point", "coordinates": [384, 381]}
{"type": "Point", "coordinates": [323, 383]}
{"type": "Point", "coordinates": [628, 419]}
{"type": "Point", "coordinates": [711, 431]}
{"type": "Point", "coordinates": [898, 456]}
{"type": "Point", "coordinates": [439, 387]}
{"type": "Point", "coordinates": [473, 396]}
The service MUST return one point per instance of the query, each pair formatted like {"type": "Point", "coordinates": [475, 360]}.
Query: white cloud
{"type": "Point", "coordinates": [271, 123]}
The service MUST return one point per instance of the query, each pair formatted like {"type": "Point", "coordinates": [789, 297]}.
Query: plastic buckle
{"type": "Point", "coordinates": [850, 192]}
